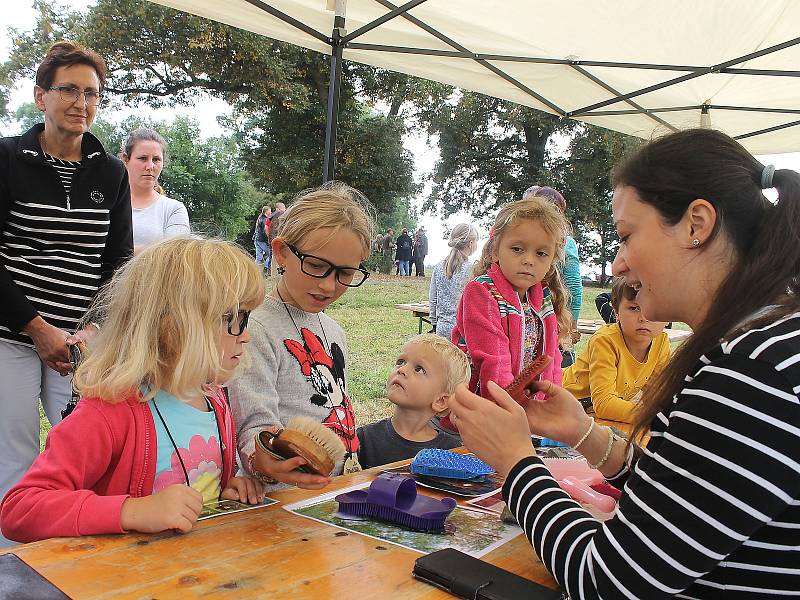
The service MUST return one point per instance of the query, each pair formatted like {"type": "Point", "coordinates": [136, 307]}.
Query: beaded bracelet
{"type": "Point", "coordinates": [261, 477]}
{"type": "Point", "coordinates": [585, 435]}
{"type": "Point", "coordinates": [611, 438]}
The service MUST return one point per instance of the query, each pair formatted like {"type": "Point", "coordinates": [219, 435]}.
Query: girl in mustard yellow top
{"type": "Point", "coordinates": [619, 359]}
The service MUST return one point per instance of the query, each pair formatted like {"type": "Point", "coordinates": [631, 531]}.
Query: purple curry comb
{"type": "Point", "coordinates": [392, 497]}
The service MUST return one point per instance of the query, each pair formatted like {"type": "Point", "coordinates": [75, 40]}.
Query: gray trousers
{"type": "Point", "coordinates": [24, 381]}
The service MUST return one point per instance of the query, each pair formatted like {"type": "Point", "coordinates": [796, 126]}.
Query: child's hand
{"type": "Point", "coordinates": [176, 507]}
{"type": "Point", "coordinates": [285, 471]}
{"type": "Point", "coordinates": [244, 489]}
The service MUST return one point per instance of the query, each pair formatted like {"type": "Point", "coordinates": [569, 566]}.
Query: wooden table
{"type": "Point", "coordinates": [421, 311]}
{"type": "Point", "coordinates": [262, 553]}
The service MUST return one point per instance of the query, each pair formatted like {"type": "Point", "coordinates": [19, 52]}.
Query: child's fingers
{"type": "Point", "coordinates": [254, 491]}
{"type": "Point", "coordinates": [230, 493]}
{"type": "Point", "coordinates": [184, 524]}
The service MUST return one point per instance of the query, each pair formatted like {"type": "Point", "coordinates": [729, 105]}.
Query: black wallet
{"type": "Point", "coordinates": [471, 578]}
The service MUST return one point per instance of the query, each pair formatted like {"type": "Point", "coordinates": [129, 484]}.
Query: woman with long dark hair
{"type": "Point", "coordinates": [710, 505]}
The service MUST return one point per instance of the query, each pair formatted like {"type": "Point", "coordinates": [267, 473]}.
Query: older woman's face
{"type": "Point", "coordinates": [649, 257]}
{"type": "Point", "coordinates": [70, 118]}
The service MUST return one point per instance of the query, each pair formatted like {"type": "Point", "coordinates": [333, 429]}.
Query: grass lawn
{"type": "Point", "coordinates": [376, 331]}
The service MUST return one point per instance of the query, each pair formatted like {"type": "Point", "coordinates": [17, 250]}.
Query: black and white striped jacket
{"type": "Point", "coordinates": [56, 250]}
{"type": "Point", "coordinates": [712, 507]}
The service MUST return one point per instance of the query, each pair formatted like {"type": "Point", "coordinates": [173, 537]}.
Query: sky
{"type": "Point", "coordinates": [20, 14]}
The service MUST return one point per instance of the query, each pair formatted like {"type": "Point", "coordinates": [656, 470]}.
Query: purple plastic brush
{"type": "Point", "coordinates": [392, 497]}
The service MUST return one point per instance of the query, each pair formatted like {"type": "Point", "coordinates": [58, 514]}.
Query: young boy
{"type": "Point", "coordinates": [619, 359]}
{"type": "Point", "coordinates": [425, 376]}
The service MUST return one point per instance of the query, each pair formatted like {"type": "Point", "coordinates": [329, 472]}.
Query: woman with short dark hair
{"type": "Point", "coordinates": [65, 225]}
{"type": "Point", "coordinates": [710, 507]}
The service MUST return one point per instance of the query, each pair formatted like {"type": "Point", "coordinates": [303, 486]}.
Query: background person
{"type": "Point", "coordinates": [261, 238]}
{"type": "Point", "coordinates": [711, 507]}
{"type": "Point", "coordinates": [155, 216]}
{"type": "Point", "coordinates": [419, 252]}
{"type": "Point", "coordinates": [403, 253]}
{"type": "Point", "coordinates": [619, 359]}
{"type": "Point", "coordinates": [570, 272]}
{"type": "Point", "coordinates": [449, 278]}
{"type": "Point", "coordinates": [65, 225]}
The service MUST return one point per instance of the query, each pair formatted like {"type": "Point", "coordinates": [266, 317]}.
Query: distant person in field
{"type": "Point", "coordinates": [155, 216]}
{"type": "Point", "coordinates": [449, 278]}
{"type": "Point", "coordinates": [419, 252]}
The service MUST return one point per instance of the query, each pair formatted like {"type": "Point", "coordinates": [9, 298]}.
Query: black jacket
{"type": "Point", "coordinates": [404, 245]}
{"type": "Point", "coordinates": [31, 192]}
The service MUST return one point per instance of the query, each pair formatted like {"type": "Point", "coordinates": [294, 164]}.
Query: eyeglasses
{"type": "Point", "coordinates": [237, 323]}
{"type": "Point", "coordinates": [320, 268]}
{"type": "Point", "coordinates": [71, 94]}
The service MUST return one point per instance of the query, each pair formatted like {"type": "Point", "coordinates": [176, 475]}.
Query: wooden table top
{"type": "Point", "coordinates": [261, 553]}
{"type": "Point", "coordinates": [586, 326]}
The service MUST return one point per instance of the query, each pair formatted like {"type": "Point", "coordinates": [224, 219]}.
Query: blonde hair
{"type": "Point", "coordinates": [460, 237]}
{"type": "Point", "coordinates": [333, 206]}
{"type": "Point", "coordinates": [456, 364]}
{"type": "Point", "coordinates": [552, 220]}
{"type": "Point", "coordinates": [162, 316]}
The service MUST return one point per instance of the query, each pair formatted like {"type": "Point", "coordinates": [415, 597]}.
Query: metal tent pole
{"type": "Point", "coordinates": [334, 91]}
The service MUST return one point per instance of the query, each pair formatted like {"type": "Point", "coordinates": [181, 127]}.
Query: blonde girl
{"type": "Point", "coordinates": [152, 438]}
{"type": "Point", "coordinates": [516, 307]}
{"type": "Point", "coordinates": [299, 354]}
{"type": "Point", "coordinates": [449, 278]}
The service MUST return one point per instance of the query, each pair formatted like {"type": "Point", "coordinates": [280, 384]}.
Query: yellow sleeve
{"type": "Point", "coordinates": [664, 352]}
{"type": "Point", "coordinates": [603, 374]}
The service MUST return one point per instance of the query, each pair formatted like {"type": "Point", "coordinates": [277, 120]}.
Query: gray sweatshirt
{"type": "Point", "coordinates": [287, 375]}
{"type": "Point", "coordinates": [444, 295]}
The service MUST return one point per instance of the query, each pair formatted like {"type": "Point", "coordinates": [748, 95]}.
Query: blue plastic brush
{"type": "Point", "coordinates": [393, 498]}
{"type": "Point", "coordinates": [435, 462]}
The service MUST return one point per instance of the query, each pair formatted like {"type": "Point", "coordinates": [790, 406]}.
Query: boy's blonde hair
{"type": "Point", "coordinates": [455, 362]}
{"type": "Point", "coordinates": [162, 315]}
{"type": "Point", "coordinates": [333, 206]}
{"type": "Point", "coordinates": [552, 220]}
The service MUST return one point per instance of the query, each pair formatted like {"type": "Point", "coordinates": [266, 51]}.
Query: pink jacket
{"type": "Point", "coordinates": [491, 330]}
{"type": "Point", "coordinates": [93, 461]}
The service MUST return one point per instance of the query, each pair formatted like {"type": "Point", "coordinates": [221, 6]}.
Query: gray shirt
{"type": "Point", "coordinates": [285, 375]}
{"type": "Point", "coordinates": [162, 219]}
{"type": "Point", "coordinates": [380, 444]}
{"type": "Point", "coordinates": [444, 295]}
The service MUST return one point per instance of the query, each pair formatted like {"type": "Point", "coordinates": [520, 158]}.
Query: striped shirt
{"type": "Point", "coordinates": [66, 172]}
{"type": "Point", "coordinates": [53, 254]}
{"type": "Point", "coordinates": [712, 507]}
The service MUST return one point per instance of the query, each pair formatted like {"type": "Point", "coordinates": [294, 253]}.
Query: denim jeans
{"type": "Point", "coordinates": [263, 254]}
{"type": "Point", "coordinates": [405, 267]}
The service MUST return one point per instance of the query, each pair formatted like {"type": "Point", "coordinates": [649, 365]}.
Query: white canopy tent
{"type": "Point", "coordinates": [638, 67]}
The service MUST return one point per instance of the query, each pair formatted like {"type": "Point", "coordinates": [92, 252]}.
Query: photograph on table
{"type": "Point", "coordinates": [473, 532]}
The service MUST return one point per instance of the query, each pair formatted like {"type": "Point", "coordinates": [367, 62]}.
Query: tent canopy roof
{"type": "Point", "coordinates": [603, 62]}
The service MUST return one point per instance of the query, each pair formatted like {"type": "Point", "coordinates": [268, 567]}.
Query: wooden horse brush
{"type": "Point", "coordinates": [307, 438]}
{"type": "Point", "coordinates": [516, 389]}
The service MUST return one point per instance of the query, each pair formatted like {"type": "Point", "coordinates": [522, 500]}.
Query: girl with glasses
{"type": "Point", "coordinates": [152, 438]}
{"type": "Point", "coordinates": [299, 354]}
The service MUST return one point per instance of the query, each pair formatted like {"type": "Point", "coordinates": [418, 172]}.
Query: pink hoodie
{"type": "Point", "coordinates": [93, 461]}
{"type": "Point", "coordinates": [490, 330]}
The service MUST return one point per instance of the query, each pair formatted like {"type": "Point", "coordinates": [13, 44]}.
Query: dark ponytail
{"type": "Point", "coordinates": [670, 173]}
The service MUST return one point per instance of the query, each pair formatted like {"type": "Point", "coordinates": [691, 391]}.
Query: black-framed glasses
{"type": "Point", "coordinates": [319, 268]}
{"type": "Point", "coordinates": [70, 94]}
{"type": "Point", "coordinates": [237, 323]}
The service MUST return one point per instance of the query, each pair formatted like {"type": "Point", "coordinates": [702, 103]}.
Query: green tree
{"type": "Point", "coordinates": [584, 177]}
{"type": "Point", "coordinates": [491, 150]}
{"type": "Point", "coordinates": [159, 56]}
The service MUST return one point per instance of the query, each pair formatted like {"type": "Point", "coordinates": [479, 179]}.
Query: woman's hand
{"type": "Point", "coordinates": [496, 431]}
{"type": "Point", "coordinates": [285, 471]}
{"type": "Point", "coordinates": [244, 489]}
{"type": "Point", "coordinates": [559, 416]}
{"type": "Point", "coordinates": [50, 343]}
{"type": "Point", "coordinates": [176, 507]}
